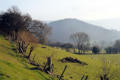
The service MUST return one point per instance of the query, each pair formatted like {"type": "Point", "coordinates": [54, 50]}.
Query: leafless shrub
{"type": "Point", "coordinates": [26, 40]}
{"type": "Point", "coordinates": [108, 72]}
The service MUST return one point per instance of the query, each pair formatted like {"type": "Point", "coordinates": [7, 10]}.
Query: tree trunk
{"type": "Point", "coordinates": [74, 51]}
{"type": "Point", "coordinates": [31, 49]}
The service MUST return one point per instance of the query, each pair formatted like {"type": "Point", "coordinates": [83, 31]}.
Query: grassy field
{"type": "Point", "coordinates": [14, 67]}
{"type": "Point", "coordinates": [75, 71]}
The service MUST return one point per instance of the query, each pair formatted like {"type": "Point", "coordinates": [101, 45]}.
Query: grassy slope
{"type": "Point", "coordinates": [95, 62]}
{"type": "Point", "coordinates": [12, 67]}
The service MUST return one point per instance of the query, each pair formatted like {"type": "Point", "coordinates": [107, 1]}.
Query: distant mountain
{"type": "Point", "coordinates": [62, 29]}
{"type": "Point", "coordinates": [108, 23]}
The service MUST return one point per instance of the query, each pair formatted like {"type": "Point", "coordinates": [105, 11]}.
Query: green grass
{"type": "Point", "coordinates": [76, 71]}
{"type": "Point", "coordinates": [13, 67]}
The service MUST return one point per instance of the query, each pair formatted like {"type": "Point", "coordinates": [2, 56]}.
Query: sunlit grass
{"type": "Point", "coordinates": [13, 67]}
{"type": "Point", "coordinates": [76, 71]}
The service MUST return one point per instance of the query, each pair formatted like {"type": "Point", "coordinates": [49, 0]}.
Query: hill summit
{"type": "Point", "coordinates": [62, 29]}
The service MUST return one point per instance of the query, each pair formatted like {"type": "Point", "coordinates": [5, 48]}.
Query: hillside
{"type": "Point", "coordinates": [107, 23]}
{"type": "Point", "coordinates": [14, 67]}
{"type": "Point", "coordinates": [62, 29]}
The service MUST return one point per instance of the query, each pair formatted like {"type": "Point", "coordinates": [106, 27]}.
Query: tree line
{"type": "Point", "coordinates": [81, 45]}
{"type": "Point", "coordinates": [22, 29]}
{"type": "Point", "coordinates": [26, 31]}
{"type": "Point", "coordinates": [81, 41]}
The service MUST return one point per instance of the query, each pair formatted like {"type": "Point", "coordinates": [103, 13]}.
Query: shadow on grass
{"type": "Point", "coordinates": [5, 75]}
{"type": "Point", "coordinates": [36, 68]}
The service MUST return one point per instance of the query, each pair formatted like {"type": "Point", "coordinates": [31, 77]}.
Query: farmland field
{"type": "Point", "coordinates": [13, 67]}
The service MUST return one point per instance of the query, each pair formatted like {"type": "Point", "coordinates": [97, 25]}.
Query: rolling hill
{"type": "Point", "coordinates": [62, 29]}
{"type": "Point", "coordinates": [13, 66]}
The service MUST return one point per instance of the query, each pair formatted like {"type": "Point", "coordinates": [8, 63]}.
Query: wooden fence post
{"type": "Point", "coordinates": [63, 72]}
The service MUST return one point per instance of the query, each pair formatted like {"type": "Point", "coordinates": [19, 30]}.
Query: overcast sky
{"type": "Point", "coordinates": [59, 9]}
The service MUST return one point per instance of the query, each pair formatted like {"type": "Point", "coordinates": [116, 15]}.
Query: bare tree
{"type": "Point", "coordinates": [40, 30]}
{"type": "Point", "coordinates": [25, 40]}
{"type": "Point", "coordinates": [107, 72]}
{"type": "Point", "coordinates": [81, 41]}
